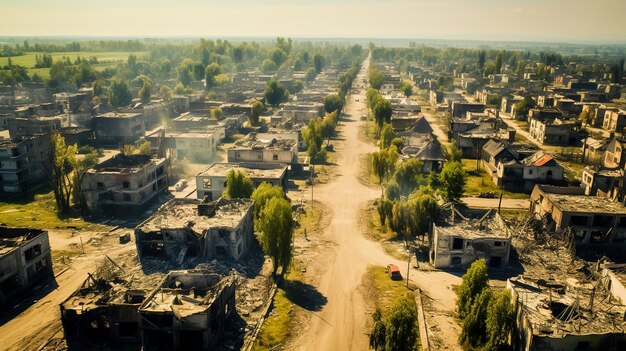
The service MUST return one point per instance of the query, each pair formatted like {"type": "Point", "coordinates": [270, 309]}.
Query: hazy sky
{"type": "Point", "coordinates": [540, 20]}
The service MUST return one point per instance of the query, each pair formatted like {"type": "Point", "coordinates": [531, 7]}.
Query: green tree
{"type": "Point", "coordinates": [119, 93]}
{"type": "Point", "coordinates": [474, 327]}
{"type": "Point", "coordinates": [406, 88]}
{"type": "Point", "coordinates": [198, 70]}
{"type": "Point", "coordinates": [276, 227]}
{"type": "Point", "coordinates": [238, 185]}
{"type": "Point", "coordinates": [382, 112]}
{"type": "Point", "coordinates": [311, 73]}
{"type": "Point", "coordinates": [398, 330]}
{"type": "Point", "coordinates": [61, 166]}
{"type": "Point", "coordinates": [386, 136]}
{"type": "Point", "coordinates": [275, 93]}
{"type": "Point", "coordinates": [376, 78]}
{"type": "Point", "coordinates": [296, 86]}
{"type": "Point", "coordinates": [278, 56]}
{"type": "Point", "coordinates": [482, 56]}
{"type": "Point", "coordinates": [210, 73]}
{"type": "Point", "coordinates": [455, 153]}
{"type": "Point", "coordinates": [453, 179]}
{"type": "Point", "coordinates": [333, 102]}
{"type": "Point", "coordinates": [499, 63]}
{"type": "Point", "coordinates": [263, 194]}
{"type": "Point", "coordinates": [256, 110]}
{"type": "Point", "coordinates": [500, 316]}
{"type": "Point", "coordinates": [408, 175]}
{"type": "Point", "coordinates": [318, 62]}
{"type": "Point", "coordinates": [98, 87]}
{"type": "Point", "coordinates": [268, 66]}
{"type": "Point", "coordinates": [184, 75]}
{"type": "Point", "coordinates": [425, 209]}
{"type": "Point", "coordinates": [473, 282]}
{"type": "Point", "coordinates": [522, 107]}
{"type": "Point", "coordinates": [165, 93]}
{"type": "Point", "coordinates": [383, 162]}
{"type": "Point", "coordinates": [298, 65]}
{"type": "Point", "coordinates": [145, 92]}
{"type": "Point", "coordinates": [217, 113]}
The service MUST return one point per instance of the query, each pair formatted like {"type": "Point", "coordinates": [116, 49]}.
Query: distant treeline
{"type": "Point", "coordinates": [74, 46]}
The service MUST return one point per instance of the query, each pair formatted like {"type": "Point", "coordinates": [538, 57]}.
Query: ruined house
{"type": "Point", "coordinates": [189, 311]}
{"type": "Point", "coordinates": [561, 303]}
{"type": "Point", "coordinates": [212, 181]}
{"type": "Point", "coordinates": [104, 310]}
{"type": "Point", "coordinates": [253, 148]}
{"type": "Point", "coordinates": [118, 128]}
{"type": "Point", "coordinates": [24, 260]}
{"type": "Point", "coordinates": [23, 163]}
{"type": "Point", "coordinates": [202, 230]}
{"type": "Point", "coordinates": [592, 220]}
{"type": "Point", "coordinates": [457, 241]}
{"type": "Point", "coordinates": [124, 184]}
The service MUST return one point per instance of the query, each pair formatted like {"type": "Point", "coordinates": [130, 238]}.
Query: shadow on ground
{"type": "Point", "coordinates": [304, 295]}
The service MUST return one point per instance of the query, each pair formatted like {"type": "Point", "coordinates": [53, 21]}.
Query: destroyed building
{"type": "Point", "coordinates": [103, 310]}
{"type": "Point", "coordinates": [189, 311]}
{"type": "Point", "coordinates": [124, 184]}
{"type": "Point", "coordinates": [24, 260]}
{"type": "Point", "coordinates": [23, 163]}
{"type": "Point", "coordinates": [203, 230]}
{"type": "Point", "coordinates": [592, 220]}
{"type": "Point", "coordinates": [212, 182]}
{"type": "Point", "coordinates": [457, 241]}
{"type": "Point", "coordinates": [255, 149]}
{"type": "Point", "coordinates": [118, 128]}
{"type": "Point", "coordinates": [561, 303]}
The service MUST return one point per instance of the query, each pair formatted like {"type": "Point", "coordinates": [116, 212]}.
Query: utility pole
{"type": "Point", "coordinates": [312, 182]}
{"type": "Point", "coordinates": [408, 268]}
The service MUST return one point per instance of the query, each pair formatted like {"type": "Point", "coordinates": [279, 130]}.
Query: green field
{"type": "Point", "coordinates": [105, 59]}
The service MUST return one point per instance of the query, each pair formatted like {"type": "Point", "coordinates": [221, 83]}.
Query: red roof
{"type": "Point", "coordinates": [543, 160]}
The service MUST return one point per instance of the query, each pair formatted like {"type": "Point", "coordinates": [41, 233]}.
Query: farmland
{"type": "Point", "coordinates": [105, 59]}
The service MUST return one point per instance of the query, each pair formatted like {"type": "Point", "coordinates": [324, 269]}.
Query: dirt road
{"type": "Point", "coordinates": [340, 325]}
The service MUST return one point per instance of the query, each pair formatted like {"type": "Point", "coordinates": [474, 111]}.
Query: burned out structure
{"type": "Point", "coordinates": [562, 303]}
{"type": "Point", "coordinates": [103, 309]}
{"type": "Point", "coordinates": [124, 184]}
{"type": "Point", "coordinates": [254, 148]}
{"type": "Point", "coordinates": [200, 230]}
{"type": "Point", "coordinates": [591, 220]}
{"type": "Point", "coordinates": [118, 128]}
{"type": "Point", "coordinates": [24, 260]}
{"type": "Point", "coordinates": [189, 311]}
{"type": "Point", "coordinates": [457, 241]}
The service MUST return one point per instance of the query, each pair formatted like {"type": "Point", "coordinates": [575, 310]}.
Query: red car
{"type": "Point", "coordinates": [394, 272]}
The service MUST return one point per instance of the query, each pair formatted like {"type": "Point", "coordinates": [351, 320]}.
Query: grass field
{"type": "Point", "coordinates": [480, 181]}
{"type": "Point", "coordinates": [38, 210]}
{"type": "Point", "coordinates": [105, 60]}
{"type": "Point", "coordinates": [383, 291]}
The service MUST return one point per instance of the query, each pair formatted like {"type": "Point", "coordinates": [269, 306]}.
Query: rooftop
{"type": "Point", "coordinates": [178, 213]}
{"type": "Point", "coordinates": [11, 238]}
{"type": "Point", "coordinates": [578, 202]}
{"type": "Point", "coordinates": [253, 142]}
{"type": "Point", "coordinates": [119, 115]}
{"type": "Point", "coordinates": [121, 163]}
{"type": "Point", "coordinates": [456, 224]}
{"type": "Point", "coordinates": [185, 293]}
{"type": "Point", "coordinates": [252, 170]}
{"type": "Point", "coordinates": [561, 295]}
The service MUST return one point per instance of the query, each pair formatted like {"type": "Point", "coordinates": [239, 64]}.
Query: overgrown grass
{"type": "Point", "coordinates": [310, 220]}
{"type": "Point", "coordinates": [383, 291]}
{"type": "Point", "coordinates": [480, 181]}
{"type": "Point", "coordinates": [38, 210]}
{"type": "Point", "coordinates": [277, 327]}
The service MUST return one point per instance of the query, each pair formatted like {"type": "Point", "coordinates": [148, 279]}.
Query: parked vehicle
{"type": "Point", "coordinates": [394, 272]}
{"type": "Point", "coordinates": [180, 185]}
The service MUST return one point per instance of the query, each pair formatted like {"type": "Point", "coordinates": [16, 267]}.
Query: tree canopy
{"type": "Point", "coordinates": [453, 179]}
{"type": "Point", "coordinates": [275, 93]}
{"type": "Point", "coordinates": [238, 185]}
{"type": "Point", "coordinates": [276, 227]}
